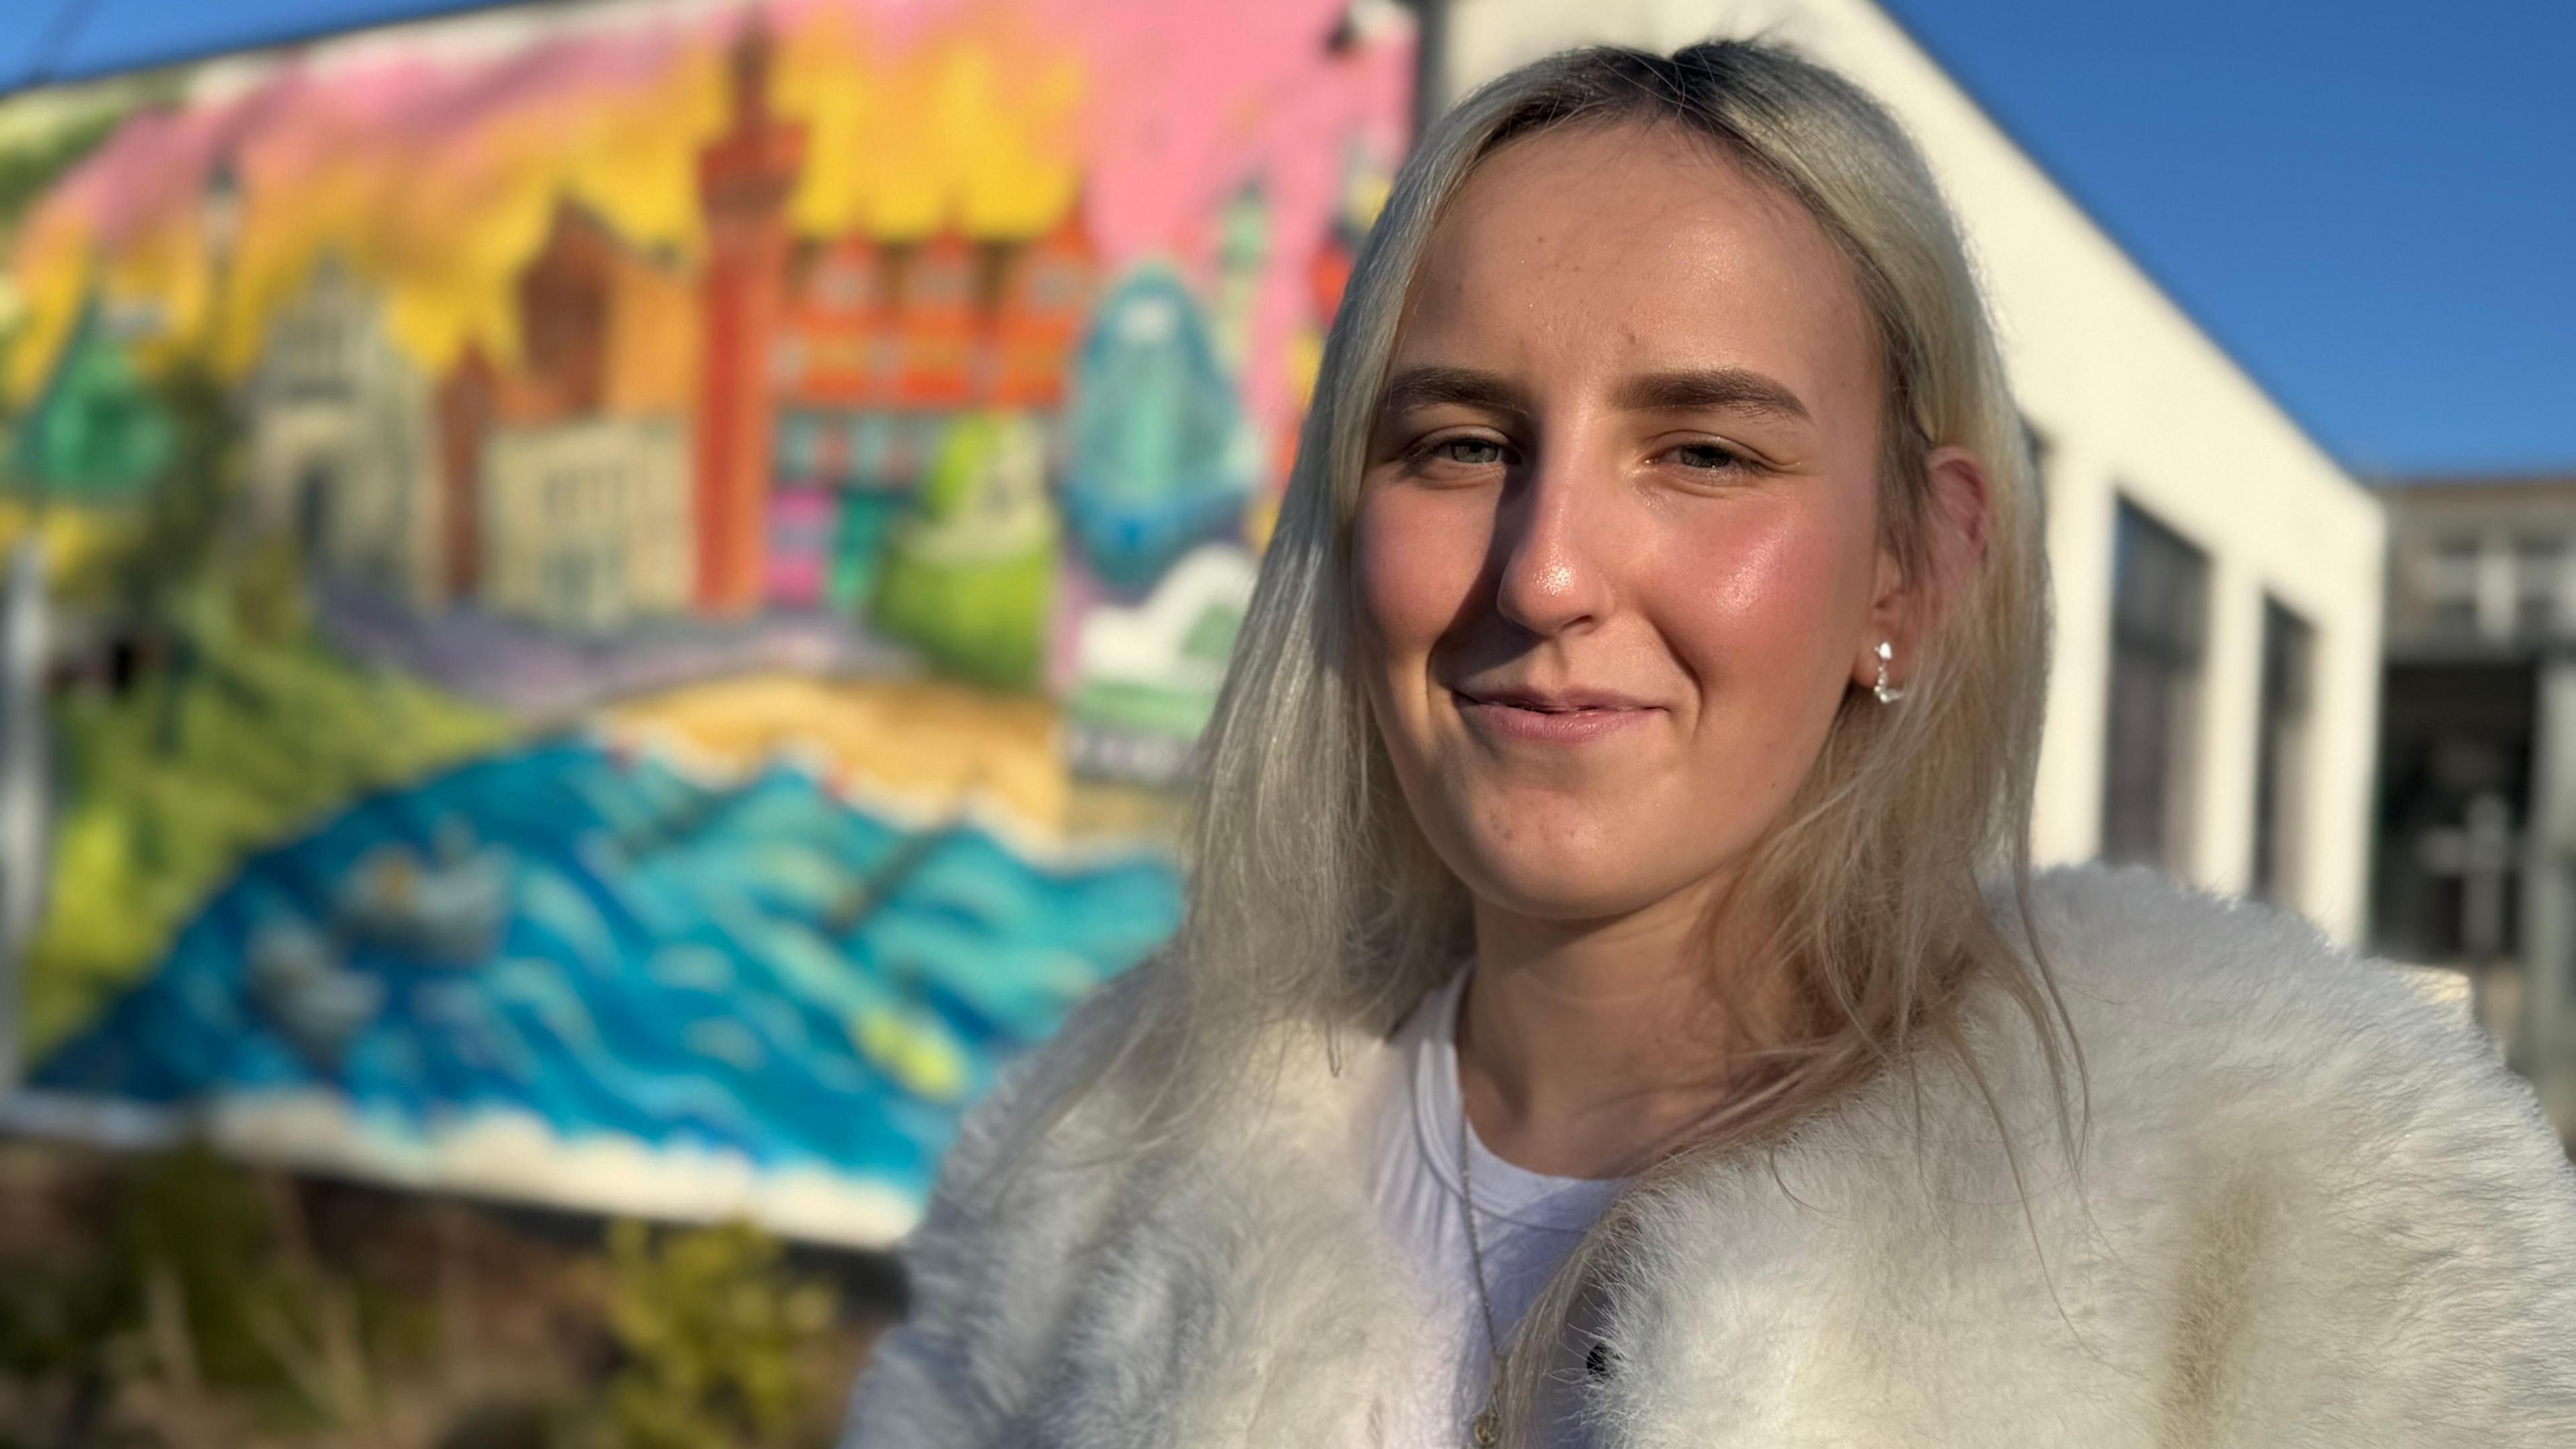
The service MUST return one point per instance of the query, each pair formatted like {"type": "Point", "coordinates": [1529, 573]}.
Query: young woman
{"type": "Point", "coordinates": [1614, 1005]}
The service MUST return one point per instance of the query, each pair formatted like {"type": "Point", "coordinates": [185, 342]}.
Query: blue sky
{"type": "Point", "coordinates": [2373, 208]}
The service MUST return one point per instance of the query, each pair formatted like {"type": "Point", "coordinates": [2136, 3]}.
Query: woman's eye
{"type": "Point", "coordinates": [1709, 456]}
{"type": "Point", "coordinates": [1468, 452]}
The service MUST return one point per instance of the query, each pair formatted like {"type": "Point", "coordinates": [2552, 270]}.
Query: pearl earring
{"type": "Point", "coordinates": [1885, 693]}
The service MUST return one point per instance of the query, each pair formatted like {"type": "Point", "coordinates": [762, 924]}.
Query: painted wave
{"type": "Point", "coordinates": [759, 966]}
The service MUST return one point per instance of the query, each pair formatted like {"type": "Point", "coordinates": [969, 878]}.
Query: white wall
{"type": "Point", "coordinates": [2132, 396]}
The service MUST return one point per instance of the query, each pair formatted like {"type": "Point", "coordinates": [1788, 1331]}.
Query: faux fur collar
{"type": "Point", "coordinates": [2313, 1209]}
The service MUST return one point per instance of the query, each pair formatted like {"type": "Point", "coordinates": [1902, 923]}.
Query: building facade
{"type": "Point", "coordinates": [566, 471]}
{"type": "Point", "coordinates": [2475, 865]}
{"type": "Point", "coordinates": [744, 178]}
{"type": "Point", "coordinates": [339, 430]}
{"type": "Point", "coordinates": [879, 350]}
{"type": "Point", "coordinates": [587, 522]}
{"type": "Point", "coordinates": [2214, 688]}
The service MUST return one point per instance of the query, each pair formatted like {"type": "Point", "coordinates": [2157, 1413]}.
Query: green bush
{"type": "Point", "coordinates": [715, 1334]}
{"type": "Point", "coordinates": [202, 1289]}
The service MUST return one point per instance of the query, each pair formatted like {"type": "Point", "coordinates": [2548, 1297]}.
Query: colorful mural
{"type": "Point", "coordinates": [604, 604]}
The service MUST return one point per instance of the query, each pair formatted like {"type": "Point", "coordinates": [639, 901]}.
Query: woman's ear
{"type": "Point", "coordinates": [1958, 509]}
{"type": "Point", "coordinates": [1962, 508]}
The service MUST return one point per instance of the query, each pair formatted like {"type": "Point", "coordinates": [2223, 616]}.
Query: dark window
{"type": "Point", "coordinates": [2040, 450]}
{"type": "Point", "coordinates": [2455, 616]}
{"type": "Point", "coordinates": [2456, 752]}
{"type": "Point", "coordinates": [2452, 584]}
{"type": "Point", "coordinates": [2538, 563]}
{"type": "Point", "coordinates": [317, 490]}
{"type": "Point", "coordinates": [2281, 760]}
{"type": "Point", "coordinates": [2159, 628]}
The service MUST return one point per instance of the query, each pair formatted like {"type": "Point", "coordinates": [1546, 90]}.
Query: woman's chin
{"type": "Point", "coordinates": [1571, 885]}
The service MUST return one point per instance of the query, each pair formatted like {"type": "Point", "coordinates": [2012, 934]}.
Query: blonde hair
{"type": "Point", "coordinates": [1314, 897]}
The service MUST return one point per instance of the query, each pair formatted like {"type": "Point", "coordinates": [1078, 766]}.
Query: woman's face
{"type": "Point", "coordinates": [1617, 552]}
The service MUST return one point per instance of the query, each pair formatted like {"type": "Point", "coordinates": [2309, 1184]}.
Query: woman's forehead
{"type": "Point", "coordinates": [1632, 250]}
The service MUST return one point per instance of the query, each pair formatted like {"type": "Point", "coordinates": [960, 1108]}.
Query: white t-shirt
{"type": "Point", "coordinates": [1526, 1221]}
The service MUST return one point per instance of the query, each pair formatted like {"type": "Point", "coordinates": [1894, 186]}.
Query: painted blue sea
{"type": "Point", "coordinates": [759, 966]}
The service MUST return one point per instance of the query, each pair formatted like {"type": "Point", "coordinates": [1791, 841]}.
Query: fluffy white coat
{"type": "Point", "coordinates": [2313, 1210]}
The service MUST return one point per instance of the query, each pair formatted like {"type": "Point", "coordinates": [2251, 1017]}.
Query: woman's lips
{"type": "Point", "coordinates": [1503, 717]}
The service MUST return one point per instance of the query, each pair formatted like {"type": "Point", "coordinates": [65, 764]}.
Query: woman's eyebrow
{"type": "Point", "coordinates": [1420, 387]}
{"type": "Point", "coordinates": [1709, 387]}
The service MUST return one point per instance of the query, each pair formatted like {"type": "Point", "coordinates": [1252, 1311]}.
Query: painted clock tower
{"type": "Point", "coordinates": [744, 178]}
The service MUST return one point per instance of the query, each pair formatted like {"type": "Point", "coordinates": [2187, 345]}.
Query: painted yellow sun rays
{"type": "Point", "coordinates": [977, 129]}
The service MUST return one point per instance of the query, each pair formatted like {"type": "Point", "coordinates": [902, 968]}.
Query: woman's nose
{"type": "Point", "coordinates": [1551, 573]}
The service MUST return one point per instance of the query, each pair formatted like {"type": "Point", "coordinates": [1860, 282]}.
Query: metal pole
{"type": "Point", "coordinates": [25, 816]}
{"type": "Point", "coordinates": [1430, 62]}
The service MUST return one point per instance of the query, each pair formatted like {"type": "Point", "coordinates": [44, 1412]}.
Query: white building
{"type": "Point", "coordinates": [585, 524]}
{"type": "Point", "coordinates": [2477, 816]}
{"type": "Point", "coordinates": [2213, 700]}
{"type": "Point", "coordinates": [341, 455]}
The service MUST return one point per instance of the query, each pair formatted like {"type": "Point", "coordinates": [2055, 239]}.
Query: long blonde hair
{"type": "Point", "coordinates": [1314, 897]}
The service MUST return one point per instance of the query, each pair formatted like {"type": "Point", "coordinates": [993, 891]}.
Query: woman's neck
{"type": "Point", "coordinates": [1584, 1047]}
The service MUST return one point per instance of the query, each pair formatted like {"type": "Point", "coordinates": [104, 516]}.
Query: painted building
{"type": "Point", "coordinates": [466, 408]}
{"type": "Point", "coordinates": [338, 432]}
{"type": "Point", "coordinates": [1042, 291]}
{"type": "Point", "coordinates": [744, 179]}
{"type": "Point", "coordinates": [833, 363]}
{"type": "Point", "coordinates": [578, 452]}
{"type": "Point", "coordinates": [2194, 531]}
{"type": "Point", "coordinates": [879, 348]}
{"type": "Point", "coordinates": [586, 522]}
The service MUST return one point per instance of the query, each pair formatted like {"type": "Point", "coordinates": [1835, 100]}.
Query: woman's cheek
{"type": "Point", "coordinates": [1416, 560]}
{"type": "Point", "coordinates": [1761, 603]}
